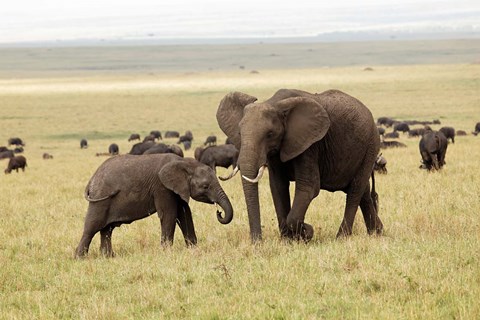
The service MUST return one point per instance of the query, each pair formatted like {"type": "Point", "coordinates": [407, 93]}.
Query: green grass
{"type": "Point", "coordinates": [425, 266]}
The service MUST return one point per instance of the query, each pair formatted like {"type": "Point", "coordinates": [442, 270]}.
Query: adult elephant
{"type": "Point", "coordinates": [321, 141]}
{"type": "Point", "coordinates": [126, 188]}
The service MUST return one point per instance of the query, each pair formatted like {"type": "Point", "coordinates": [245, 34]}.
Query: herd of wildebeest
{"type": "Point", "coordinates": [432, 146]}
{"type": "Point", "coordinates": [156, 177]}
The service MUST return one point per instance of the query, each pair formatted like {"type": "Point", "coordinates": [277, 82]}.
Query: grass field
{"type": "Point", "coordinates": [425, 266]}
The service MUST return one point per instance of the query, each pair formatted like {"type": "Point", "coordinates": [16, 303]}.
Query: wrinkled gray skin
{"type": "Point", "coordinates": [433, 148]}
{"type": "Point", "coordinates": [126, 188]}
{"type": "Point", "coordinates": [218, 156]}
{"type": "Point", "coordinates": [321, 141]}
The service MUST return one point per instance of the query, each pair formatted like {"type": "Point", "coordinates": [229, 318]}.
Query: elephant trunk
{"type": "Point", "coordinates": [227, 208]}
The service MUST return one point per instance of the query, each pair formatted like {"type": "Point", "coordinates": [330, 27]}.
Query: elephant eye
{"type": "Point", "coordinates": [269, 134]}
{"type": "Point", "coordinates": [205, 186]}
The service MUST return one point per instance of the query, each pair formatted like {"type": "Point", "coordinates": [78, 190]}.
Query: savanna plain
{"type": "Point", "coordinates": [425, 266]}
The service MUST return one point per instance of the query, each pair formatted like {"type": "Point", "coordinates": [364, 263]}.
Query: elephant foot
{"type": "Point", "coordinates": [302, 232]}
{"type": "Point", "coordinates": [344, 232]}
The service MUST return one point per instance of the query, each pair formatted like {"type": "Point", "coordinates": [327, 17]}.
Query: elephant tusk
{"type": "Point", "coordinates": [230, 176]}
{"type": "Point", "coordinates": [258, 177]}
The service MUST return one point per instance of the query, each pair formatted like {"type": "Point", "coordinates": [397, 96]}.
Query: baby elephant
{"type": "Point", "coordinates": [15, 163]}
{"type": "Point", "coordinates": [128, 188]}
{"type": "Point", "coordinates": [433, 147]}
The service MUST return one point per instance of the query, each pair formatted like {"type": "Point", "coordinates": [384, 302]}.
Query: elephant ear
{"type": "Point", "coordinates": [307, 122]}
{"type": "Point", "coordinates": [230, 112]}
{"type": "Point", "coordinates": [175, 176]}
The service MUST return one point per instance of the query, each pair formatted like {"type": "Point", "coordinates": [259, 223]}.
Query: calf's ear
{"type": "Point", "coordinates": [175, 176]}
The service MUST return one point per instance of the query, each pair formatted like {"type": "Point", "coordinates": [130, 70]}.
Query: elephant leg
{"type": "Point", "coordinates": [435, 162]}
{"type": "Point", "coordinates": [279, 185]}
{"type": "Point", "coordinates": [307, 187]}
{"type": "Point", "coordinates": [185, 222]}
{"type": "Point", "coordinates": [370, 215]}
{"type": "Point", "coordinates": [167, 212]}
{"type": "Point", "coordinates": [94, 222]}
{"type": "Point", "coordinates": [355, 193]}
{"type": "Point", "coordinates": [106, 241]}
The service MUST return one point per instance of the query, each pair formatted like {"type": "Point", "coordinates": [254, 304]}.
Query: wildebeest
{"type": "Point", "coordinates": [7, 154]}
{"type": "Point", "coordinates": [433, 147]}
{"type": "Point", "coordinates": [149, 138]}
{"type": "Point", "coordinates": [380, 165]}
{"type": "Point", "coordinates": [15, 163]}
{"type": "Point", "coordinates": [477, 129]}
{"type": "Point", "coordinates": [141, 147]}
{"type": "Point", "coordinates": [157, 134]}
{"type": "Point", "coordinates": [392, 135]}
{"type": "Point", "coordinates": [83, 144]}
{"type": "Point", "coordinates": [449, 133]}
{"type": "Point", "coordinates": [391, 144]}
{"type": "Point", "coordinates": [418, 132]}
{"type": "Point", "coordinates": [225, 155]}
{"type": "Point", "coordinates": [386, 121]}
{"type": "Point", "coordinates": [402, 126]}
{"type": "Point", "coordinates": [15, 141]}
{"type": "Point", "coordinates": [134, 136]}
{"type": "Point", "coordinates": [188, 136]}
{"type": "Point", "coordinates": [211, 141]}
{"type": "Point", "coordinates": [172, 134]}
{"type": "Point", "coordinates": [113, 149]}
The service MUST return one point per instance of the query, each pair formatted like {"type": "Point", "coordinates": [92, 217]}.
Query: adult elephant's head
{"type": "Point", "coordinates": [287, 124]}
{"type": "Point", "coordinates": [190, 178]}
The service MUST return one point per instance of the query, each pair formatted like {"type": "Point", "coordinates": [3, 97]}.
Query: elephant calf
{"type": "Point", "coordinates": [128, 188]}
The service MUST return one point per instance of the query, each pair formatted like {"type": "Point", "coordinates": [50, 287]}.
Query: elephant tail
{"type": "Point", "coordinates": [374, 194]}
{"type": "Point", "coordinates": [111, 195]}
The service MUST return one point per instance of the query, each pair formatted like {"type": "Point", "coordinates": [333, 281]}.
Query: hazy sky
{"type": "Point", "coordinates": [47, 20]}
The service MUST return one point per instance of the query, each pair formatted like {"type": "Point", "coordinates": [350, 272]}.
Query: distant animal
{"type": "Point", "coordinates": [7, 154]}
{"type": "Point", "coordinates": [225, 155]}
{"type": "Point", "coordinates": [381, 131]}
{"type": "Point", "coordinates": [113, 149]}
{"type": "Point", "coordinates": [15, 163]}
{"type": "Point", "coordinates": [188, 136]}
{"type": "Point", "coordinates": [449, 133]}
{"type": "Point", "coordinates": [157, 134]}
{"type": "Point", "coordinates": [128, 188]}
{"type": "Point", "coordinates": [172, 134]}
{"type": "Point", "coordinates": [159, 148]}
{"type": "Point", "coordinates": [391, 144]}
{"type": "Point", "coordinates": [402, 126]}
{"type": "Point", "coordinates": [3, 148]}
{"type": "Point", "coordinates": [187, 144]}
{"type": "Point", "coordinates": [386, 121]}
{"type": "Point", "coordinates": [141, 147]}
{"type": "Point", "coordinates": [380, 165]}
{"type": "Point", "coordinates": [149, 138]}
{"type": "Point", "coordinates": [392, 135]}
{"type": "Point", "coordinates": [83, 144]}
{"type": "Point", "coordinates": [211, 141]}
{"type": "Point", "coordinates": [47, 156]}
{"type": "Point", "coordinates": [436, 121]}
{"type": "Point", "coordinates": [15, 141]}
{"type": "Point", "coordinates": [433, 148]}
{"type": "Point", "coordinates": [461, 133]}
{"type": "Point", "coordinates": [18, 150]}
{"type": "Point", "coordinates": [416, 132]}
{"type": "Point", "coordinates": [134, 136]}
{"type": "Point", "coordinates": [477, 129]}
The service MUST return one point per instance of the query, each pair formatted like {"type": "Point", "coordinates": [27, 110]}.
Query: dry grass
{"type": "Point", "coordinates": [426, 265]}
